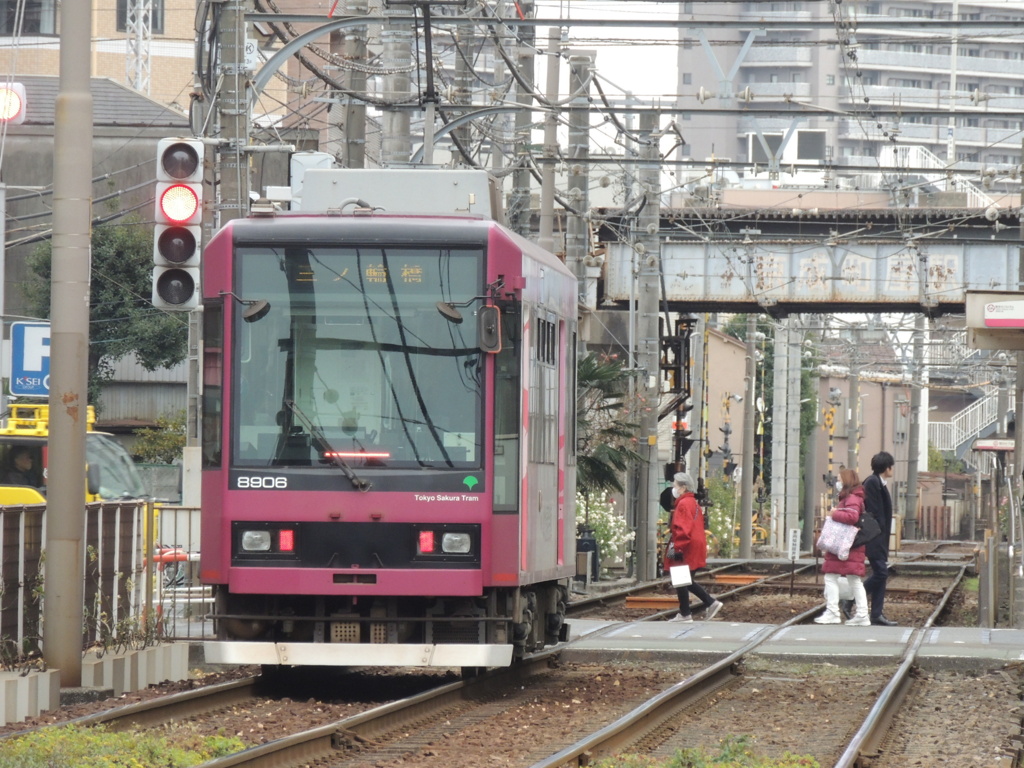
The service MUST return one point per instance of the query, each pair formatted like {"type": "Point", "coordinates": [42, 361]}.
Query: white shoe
{"type": "Point", "coordinates": [712, 610]}
{"type": "Point", "coordinates": [859, 621]}
{"type": "Point", "coordinates": [828, 618]}
{"type": "Point", "coordinates": [680, 617]}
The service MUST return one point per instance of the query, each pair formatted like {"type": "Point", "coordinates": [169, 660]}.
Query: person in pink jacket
{"type": "Point", "coordinates": [689, 546]}
{"type": "Point", "coordinates": [848, 510]}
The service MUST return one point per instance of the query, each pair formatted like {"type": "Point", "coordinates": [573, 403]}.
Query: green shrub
{"type": "Point", "coordinates": [75, 747]}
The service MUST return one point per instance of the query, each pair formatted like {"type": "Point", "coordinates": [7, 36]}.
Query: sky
{"type": "Point", "coordinates": [638, 60]}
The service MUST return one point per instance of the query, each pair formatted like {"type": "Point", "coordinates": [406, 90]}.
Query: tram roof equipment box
{"type": "Point", "coordinates": [401, 190]}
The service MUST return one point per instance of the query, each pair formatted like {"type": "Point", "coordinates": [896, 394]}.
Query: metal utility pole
{"type": "Point", "coordinates": [749, 424]}
{"type": "Point", "coordinates": [69, 349]}
{"type": "Point", "coordinates": [138, 27]}
{"type": "Point", "coordinates": [649, 343]}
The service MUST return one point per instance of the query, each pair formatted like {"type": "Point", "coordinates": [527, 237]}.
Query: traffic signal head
{"type": "Point", "coordinates": [12, 103]}
{"type": "Point", "coordinates": [178, 212]}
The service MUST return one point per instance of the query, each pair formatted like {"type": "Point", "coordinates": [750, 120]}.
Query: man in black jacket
{"type": "Point", "coordinates": [878, 502]}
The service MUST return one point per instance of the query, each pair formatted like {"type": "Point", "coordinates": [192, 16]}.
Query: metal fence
{"type": "Point", "coordinates": [130, 597]}
{"type": "Point", "coordinates": [183, 603]}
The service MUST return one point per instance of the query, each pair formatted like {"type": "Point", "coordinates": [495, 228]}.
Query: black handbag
{"type": "Point", "coordinates": [869, 530]}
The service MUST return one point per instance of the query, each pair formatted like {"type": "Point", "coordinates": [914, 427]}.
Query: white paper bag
{"type": "Point", "coordinates": [845, 592]}
{"type": "Point", "coordinates": [680, 575]}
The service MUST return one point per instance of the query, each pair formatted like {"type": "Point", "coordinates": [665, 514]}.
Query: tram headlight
{"type": "Point", "coordinates": [255, 541]}
{"type": "Point", "coordinates": [456, 543]}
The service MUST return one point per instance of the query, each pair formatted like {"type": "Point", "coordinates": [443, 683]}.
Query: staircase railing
{"type": "Point", "coordinates": [914, 156]}
{"type": "Point", "coordinates": [968, 424]}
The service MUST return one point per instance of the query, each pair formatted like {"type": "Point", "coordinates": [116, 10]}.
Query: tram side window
{"type": "Point", "coordinates": [507, 417]}
{"type": "Point", "coordinates": [544, 393]}
{"type": "Point", "coordinates": [213, 369]}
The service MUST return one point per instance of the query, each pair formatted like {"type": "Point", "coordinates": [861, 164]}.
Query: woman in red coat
{"type": "Point", "coordinates": [848, 510]}
{"type": "Point", "coordinates": [689, 546]}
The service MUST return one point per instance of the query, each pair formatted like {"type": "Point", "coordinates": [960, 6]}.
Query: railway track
{"type": "Point", "coordinates": [653, 728]}
{"type": "Point", "coordinates": [741, 690]}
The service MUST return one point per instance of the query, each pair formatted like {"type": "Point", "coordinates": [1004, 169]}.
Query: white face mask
{"type": "Point", "coordinates": [675, 491]}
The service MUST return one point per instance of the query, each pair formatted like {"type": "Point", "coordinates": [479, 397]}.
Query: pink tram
{"type": "Point", "coordinates": [388, 413]}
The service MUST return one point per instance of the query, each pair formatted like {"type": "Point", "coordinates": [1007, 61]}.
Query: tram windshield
{"type": "Point", "coordinates": [353, 364]}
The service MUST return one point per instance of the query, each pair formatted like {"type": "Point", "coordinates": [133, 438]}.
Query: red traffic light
{"type": "Point", "coordinates": [12, 103]}
{"type": "Point", "coordinates": [179, 203]}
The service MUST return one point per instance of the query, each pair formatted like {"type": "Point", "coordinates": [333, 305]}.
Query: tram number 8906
{"type": "Point", "coordinates": [261, 481]}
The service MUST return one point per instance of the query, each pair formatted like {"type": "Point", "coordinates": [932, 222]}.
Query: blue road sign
{"type": "Point", "coordinates": [30, 359]}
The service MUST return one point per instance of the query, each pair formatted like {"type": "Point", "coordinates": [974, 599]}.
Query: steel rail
{"type": "Point", "coordinates": [162, 709]}
{"type": "Point", "coordinates": [326, 739]}
{"type": "Point", "coordinates": [876, 724]}
{"type": "Point", "coordinates": [611, 595]}
{"type": "Point", "coordinates": [646, 717]}
{"type": "Point", "coordinates": [752, 586]}
{"type": "Point", "coordinates": [656, 710]}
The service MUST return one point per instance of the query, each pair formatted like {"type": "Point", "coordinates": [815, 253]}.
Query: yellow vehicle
{"type": "Point", "coordinates": [110, 472]}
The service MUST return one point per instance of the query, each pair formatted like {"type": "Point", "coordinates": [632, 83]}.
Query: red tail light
{"type": "Point", "coordinates": [286, 540]}
{"type": "Point", "coordinates": [426, 541]}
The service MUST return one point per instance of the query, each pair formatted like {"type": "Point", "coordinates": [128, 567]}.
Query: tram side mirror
{"type": "Point", "coordinates": [489, 329]}
{"type": "Point", "coordinates": [449, 312]}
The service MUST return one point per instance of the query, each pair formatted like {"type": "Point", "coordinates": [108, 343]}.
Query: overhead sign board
{"type": "Point", "coordinates": [1003, 314]}
{"type": "Point", "coordinates": [995, 319]}
{"type": "Point", "coordinates": [30, 359]}
{"type": "Point", "coordinates": [993, 444]}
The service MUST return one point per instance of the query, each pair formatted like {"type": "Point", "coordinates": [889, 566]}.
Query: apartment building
{"type": "Point", "coordinates": [850, 59]}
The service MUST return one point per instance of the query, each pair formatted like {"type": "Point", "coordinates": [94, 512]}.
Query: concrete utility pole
{"type": "Point", "coordinates": [780, 414]}
{"type": "Point", "coordinates": [348, 115]}
{"type": "Point", "coordinates": [519, 200]}
{"type": "Point", "coordinates": [649, 342]}
{"type": "Point", "coordinates": [918, 382]}
{"type": "Point", "coordinates": [69, 349]}
{"type": "Point", "coordinates": [853, 420]}
{"type": "Point", "coordinates": [233, 112]}
{"type": "Point", "coordinates": [396, 41]}
{"type": "Point", "coordinates": [466, 41]}
{"type": "Point", "coordinates": [577, 228]}
{"type": "Point", "coordinates": [749, 426]}
{"type": "Point", "coordinates": [793, 437]}
{"type": "Point", "coordinates": [546, 236]}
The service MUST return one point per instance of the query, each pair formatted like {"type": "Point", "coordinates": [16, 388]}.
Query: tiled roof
{"type": "Point", "coordinates": [113, 104]}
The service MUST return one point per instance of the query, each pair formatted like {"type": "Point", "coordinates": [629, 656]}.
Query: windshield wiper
{"type": "Point", "coordinates": [328, 450]}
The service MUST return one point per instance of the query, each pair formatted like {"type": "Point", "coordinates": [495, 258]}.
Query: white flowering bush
{"type": "Point", "coordinates": [596, 512]}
